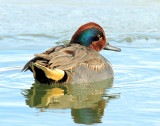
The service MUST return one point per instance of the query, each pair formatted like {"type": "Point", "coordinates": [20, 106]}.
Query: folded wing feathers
{"type": "Point", "coordinates": [66, 57]}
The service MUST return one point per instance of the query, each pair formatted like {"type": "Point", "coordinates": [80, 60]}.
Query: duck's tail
{"type": "Point", "coordinates": [46, 75]}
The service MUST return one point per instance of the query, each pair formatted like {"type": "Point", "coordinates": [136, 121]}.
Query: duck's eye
{"type": "Point", "coordinates": [96, 38]}
{"type": "Point", "coordinates": [99, 36]}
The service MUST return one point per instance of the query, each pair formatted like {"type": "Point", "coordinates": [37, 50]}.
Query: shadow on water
{"type": "Point", "coordinates": [87, 101]}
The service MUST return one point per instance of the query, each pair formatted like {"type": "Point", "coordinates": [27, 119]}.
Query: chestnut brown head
{"type": "Point", "coordinates": [92, 36]}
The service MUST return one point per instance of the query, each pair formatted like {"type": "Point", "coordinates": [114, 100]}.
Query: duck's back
{"type": "Point", "coordinates": [79, 63]}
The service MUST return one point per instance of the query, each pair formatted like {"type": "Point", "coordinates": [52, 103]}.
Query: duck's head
{"type": "Point", "coordinates": [92, 35]}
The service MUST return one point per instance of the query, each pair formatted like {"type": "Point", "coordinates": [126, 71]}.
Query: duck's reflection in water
{"type": "Point", "coordinates": [87, 101]}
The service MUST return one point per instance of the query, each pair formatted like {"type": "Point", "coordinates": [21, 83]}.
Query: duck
{"type": "Point", "coordinates": [76, 62]}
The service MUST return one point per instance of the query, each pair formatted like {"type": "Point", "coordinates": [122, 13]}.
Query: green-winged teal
{"type": "Point", "coordinates": [76, 62]}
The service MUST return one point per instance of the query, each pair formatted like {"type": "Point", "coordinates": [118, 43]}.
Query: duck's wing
{"type": "Point", "coordinates": [27, 65]}
{"type": "Point", "coordinates": [66, 57]}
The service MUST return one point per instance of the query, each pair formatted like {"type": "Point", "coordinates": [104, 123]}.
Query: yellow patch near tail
{"type": "Point", "coordinates": [54, 74]}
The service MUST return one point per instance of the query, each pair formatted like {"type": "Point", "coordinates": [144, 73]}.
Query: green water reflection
{"type": "Point", "coordinates": [87, 101]}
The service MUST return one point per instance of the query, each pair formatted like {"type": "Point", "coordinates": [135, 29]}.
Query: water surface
{"type": "Point", "coordinates": [132, 98]}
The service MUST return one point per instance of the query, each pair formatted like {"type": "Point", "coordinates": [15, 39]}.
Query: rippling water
{"type": "Point", "coordinates": [29, 27]}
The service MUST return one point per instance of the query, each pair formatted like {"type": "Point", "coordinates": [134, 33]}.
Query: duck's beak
{"type": "Point", "coordinates": [110, 47]}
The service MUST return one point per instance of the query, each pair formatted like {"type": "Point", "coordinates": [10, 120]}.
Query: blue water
{"type": "Point", "coordinates": [30, 27]}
